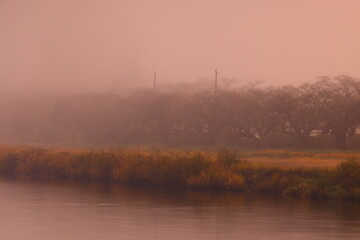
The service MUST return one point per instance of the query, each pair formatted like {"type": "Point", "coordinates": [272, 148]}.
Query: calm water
{"type": "Point", "coordinates": [37, 211]}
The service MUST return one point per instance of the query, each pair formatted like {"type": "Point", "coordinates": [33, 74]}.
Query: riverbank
{"type": "Point", "coordinates": [195, 169]}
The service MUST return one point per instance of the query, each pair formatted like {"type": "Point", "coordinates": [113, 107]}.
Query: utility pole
{"type": "Point", "coordinates": [216, 80]}
{"type": "Point", "coordinates": [215, 132]}
{"type": "Point", "coordinates": [154, 81]}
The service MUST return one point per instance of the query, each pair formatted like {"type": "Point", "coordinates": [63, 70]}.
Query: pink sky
{"type": "Point", "coordinates": [103, 44]}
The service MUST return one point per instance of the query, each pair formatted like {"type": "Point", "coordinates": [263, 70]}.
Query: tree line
{"type": "Point", "coordinates": [323, 113]}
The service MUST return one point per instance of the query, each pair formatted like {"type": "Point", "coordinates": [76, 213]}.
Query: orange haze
{"type": "Point", "coordinates": [102, 45]}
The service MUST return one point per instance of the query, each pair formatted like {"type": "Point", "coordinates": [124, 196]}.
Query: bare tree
{"type": "Point", "coordinates": [301, 110]}
{"type": "Point", "coordinates": [343, 109]}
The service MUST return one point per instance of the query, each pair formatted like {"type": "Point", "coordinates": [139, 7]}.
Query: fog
{"type": "Point", "coordinates": [112, 45]}
{"type": "Point", "coordinates": [81, 71]}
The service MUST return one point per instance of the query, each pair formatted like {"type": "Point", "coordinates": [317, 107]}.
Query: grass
{"type": "Point", "coordinates": [286, 159]}
{"type": "Point", "coordinates": [288, 173]}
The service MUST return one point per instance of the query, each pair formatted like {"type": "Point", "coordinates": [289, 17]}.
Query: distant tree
{"type": "Point", "coordinates": [159, 114]}
{"type": "Point", "coordinates": [259, 118]}
{"type": "Point", "coordinates": [343, 109]}
{"type": "Point", "coordinates": [301, 110]}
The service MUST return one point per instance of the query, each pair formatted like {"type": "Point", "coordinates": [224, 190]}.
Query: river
{"type": "Point", "coordinates": [75, 211]}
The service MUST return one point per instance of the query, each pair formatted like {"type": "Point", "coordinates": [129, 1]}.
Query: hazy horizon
{"type": "Point", "coordinates": [94, 45]}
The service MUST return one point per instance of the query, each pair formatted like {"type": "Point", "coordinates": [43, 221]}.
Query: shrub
{"type": "Point", "coordinates": [8, 164]}
{"type": "Point", "coordinates": [227, 158]}
{"type": "Point", "coordinates": [348, 173]}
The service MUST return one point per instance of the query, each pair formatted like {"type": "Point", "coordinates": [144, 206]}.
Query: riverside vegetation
{"type": "Point", "coordinates": [251, 171]}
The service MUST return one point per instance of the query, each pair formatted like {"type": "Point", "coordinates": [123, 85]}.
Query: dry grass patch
{"type": "Point", "coordinates": [300, 174]}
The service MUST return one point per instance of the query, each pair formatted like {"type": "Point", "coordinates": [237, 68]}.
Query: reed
{"type": "Point", "coordinates": [224, 169]}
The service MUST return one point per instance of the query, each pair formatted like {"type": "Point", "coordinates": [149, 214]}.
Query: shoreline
{"type": "Point", "coordinates": [222, 170]}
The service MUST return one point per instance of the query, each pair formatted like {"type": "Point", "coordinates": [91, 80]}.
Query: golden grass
{"type": "Point", "coordinates": [291, 159]}
{"type": "Point", "coordinates": [303, 174]}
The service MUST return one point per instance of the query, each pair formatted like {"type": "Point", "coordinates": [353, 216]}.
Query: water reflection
{"type": "Point", "coordinates": [34, 210]}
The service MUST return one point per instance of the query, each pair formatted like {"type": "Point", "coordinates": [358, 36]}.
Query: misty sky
{"type": "Point", "coordinates": [106, 44]}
